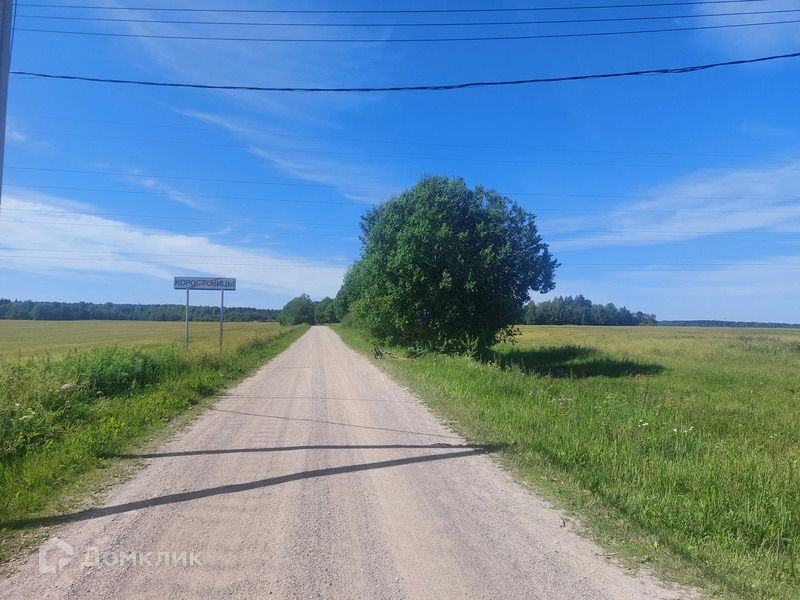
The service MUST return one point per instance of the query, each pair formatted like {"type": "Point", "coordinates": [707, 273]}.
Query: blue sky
{"type": "Point", "coordinates": [677, 195]}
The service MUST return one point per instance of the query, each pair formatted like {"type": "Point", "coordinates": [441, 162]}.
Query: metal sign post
{"type": "Point", "coordinates": [206, 283]}
{"type": "Point", "coordinates": [221, 316]}
{"type": "Point", "coordinates": [186, 333]}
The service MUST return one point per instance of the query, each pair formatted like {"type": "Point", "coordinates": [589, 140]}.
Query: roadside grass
{"type": "Point", "coordinates": [65, 421]}
{"type": "Point", "coordinates": [25, 339]}
{"type": "Point", "coordinates": [677, 447]}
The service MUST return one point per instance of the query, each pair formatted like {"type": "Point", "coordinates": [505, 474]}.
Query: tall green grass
{"type": "Point", "coordinates": [62, 419]}
{"type": "Point", "coordinates": [681, 444]}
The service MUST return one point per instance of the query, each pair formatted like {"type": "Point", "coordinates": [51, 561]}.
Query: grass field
{"type": "Point", "coordinates": [66, 416]}
{"type": "Point", "coordinates": [22, 339]}
{"type": "Point", "coordinates": [678, 446]}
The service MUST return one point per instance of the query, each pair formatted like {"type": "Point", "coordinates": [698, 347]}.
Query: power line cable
{"type": "Point", "coordinates": [415, 24]}
{"type": "Point", "coordinates": [357, 203]}
{"type": "Point", "coordinates": [129, 256]}
{"type": "Point", "coordinates": [584, 231]}
{"type": "Point", "coordinates": [253, 217]}
{"type": "Point", "coordinates": [752, 236]}
{"type": "Point", "coordinates": [115, 252]}
{"type": "Point", "coordinates": [581, 264]}
{"type": "Point", "coordinates": [106, 215]}
{"type": "Point", "coordinates": [270, 234]}
{"type": "Point", "coordinates": [353, 203]}
{"type": "Point", "coordinates": [590, 235]}
{"type": "Point", "coordinates": [223, 256]}
{"type": "Point", "coordinates": [176, 177]}
{"type": "Point", "coordinates": [136, 175]}
{"type": "Point", "coordinates": [384, 11]}
{"type": "Point", "coordinates": [236, 262]}
{"type": "Point", "coordinates": [793, 210]}
{"type": "Point", "coordinates": [258, 218]}
{"type": "Point", "coordinates": [383, 40]}
{"type": "Point", "coordinates": [271, 133]}
{"type": "Point", "coordinates": [396, 157]}
{"type": "Point", "coordinates": [440, 87]}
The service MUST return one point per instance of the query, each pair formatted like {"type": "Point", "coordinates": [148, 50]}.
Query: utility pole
{"type": "Point", "coordinates": [6, 16]}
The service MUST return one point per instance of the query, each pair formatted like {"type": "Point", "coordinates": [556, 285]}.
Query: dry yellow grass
{"type": "Point", "coordinates": [23, 339]}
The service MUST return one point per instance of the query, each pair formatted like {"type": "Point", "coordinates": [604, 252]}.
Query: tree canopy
{"type": "Point", "coordinates": [304, 310]}
{"type": "Point", "coordinates": [445, 267]}
{"type": "Point", "coordinates": [297, 310]}
{"type": "Point", "coordinates": [324, 311]}
{"type": "Point", "coordinates": [581, 311]}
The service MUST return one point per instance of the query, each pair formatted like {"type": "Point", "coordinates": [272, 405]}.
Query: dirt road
{"type": "Point", "coordinates": [321, 478]}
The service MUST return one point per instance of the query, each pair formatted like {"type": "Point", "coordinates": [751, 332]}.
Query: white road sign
{"type": "Point", "coordinates": [205, 283]}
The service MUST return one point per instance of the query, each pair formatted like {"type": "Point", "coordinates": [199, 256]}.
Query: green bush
{"type": "Point", "coordinates": [297, 311]}
{"type": "Point", "coordinates": [41, 400]}
{"type": "Point", "coordinates": [111, 371]}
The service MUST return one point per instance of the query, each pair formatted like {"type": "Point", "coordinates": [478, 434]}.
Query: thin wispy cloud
{"type": "Point", "coordinates": [17, 136]}
{"type": "Point", "coordinates": [166, 190]}
{"type": "Point", "coordinates": [737, 290]}
{"type": "Point", "coordinates": [744, 290]}
{"type": "Point", "coordinates": [743, 279]}
{"type": "Point", "coordinates": [352, 181]}
{"type": "Point", "coordinates": [299, 159]}
{"type": "Point", "coordinates": [775, 132]}
{"type": "Point", "coordinates": [765, 38]}
{"type": "Point", "coordinates": [275, 64]}
{"type": "Point", "coordinates": [708, 203]}
{"type": "Point", "coordinates": [40, 236]}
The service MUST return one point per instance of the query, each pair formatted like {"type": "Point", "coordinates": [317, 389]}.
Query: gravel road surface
{"type": "Point", "coordinates": [319, 477]}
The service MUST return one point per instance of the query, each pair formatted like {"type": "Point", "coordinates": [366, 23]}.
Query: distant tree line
{"type": "Point", "coordinates": [710, 323]}
{"type": "Point", "coordinates": [74, 311]}
{"type": "Point", "coordinates": [304, 310]}
{"type": "Point", "coordinates": [581, 311]}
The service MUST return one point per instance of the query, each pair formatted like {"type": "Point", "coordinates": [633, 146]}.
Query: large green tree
{"type": "Point", "coordinates": [324, 311]}
{"type": "Point", "coordinates": [297, 310]}
{"type": "Point", "coordinates": [446, 267]}
{"type": "Point", "coordinates": [349, 291]}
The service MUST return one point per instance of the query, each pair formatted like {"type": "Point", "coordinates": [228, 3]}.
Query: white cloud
{"type": "Point", "coordinates": [297, 158]}
{"type": "Point", "coordinates": [764, 289]}
{"type": "Point", "coordinates": [273, 64]}
{"type": "Point", "coordinates": [39, 235]}
{"type": "Point", "coordinates": [17, 136]}
{"type": "Point", "coordinates": [762, 130]}
{"type": "Point", "coordinates": [268, 63]}
{"type": "Point", "coordinates": [171, 192]}
{"type": "Point", "coordinates": [760, 289]}
{"type": "Point", "coordinates": [350, 180]}
{"type": "Point", "coordinates": [706, 203]}
{"type": "Point", "coordinates": [761, 38]}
